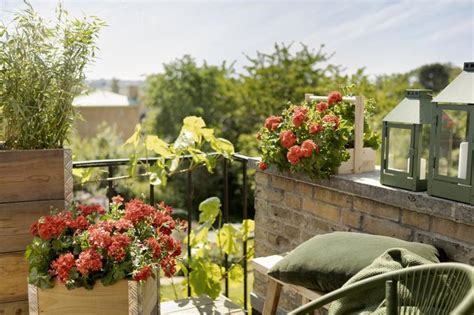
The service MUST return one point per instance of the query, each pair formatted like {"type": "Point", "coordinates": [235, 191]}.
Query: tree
{"type": "Point", "coordinates": [186, 89]}
{"type": "Point", "coordinates": [434, 76]}
{"type": "Point", "coordinates": [284, 75]}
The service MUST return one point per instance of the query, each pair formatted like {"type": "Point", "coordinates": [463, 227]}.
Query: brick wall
{"type": "Point", "coordinates": [290, 209]}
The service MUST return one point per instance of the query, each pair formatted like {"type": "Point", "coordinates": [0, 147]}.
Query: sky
{"type": "Point", "coordinates": [381, 36]}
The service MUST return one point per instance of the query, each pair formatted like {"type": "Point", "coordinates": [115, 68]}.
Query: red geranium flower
{"type": "Point", "coordinates": [168, 264]}
{"type": "Point", "coordinates": [307, 148]}
{"type": "Point", "coordinates": [294, 154]}
{"type": "Point", "coordinates": [117, 248]}
{"type": "Point", "coordinates": [334, 97]}
{"type": "Point", "coordinates": [118, 200]}
{"type": "Point", "coordinates": [80, 223]}
{"type": "Point", "coordinates": [332, 119]}
{"type": "Point", "coordinates": [299, 115]}
{"type": "Point", "coordinates": [315, 128]}
{"type": "Point", "coordinates": [154, 246]}
{"type": "Point", "coordinates": [62, 265]}
{"type": "Point", "coordinates": [99, 236]}
{"type": "Point", "coordinates": [322, 106]}
{"type": "Point", "coordinates": [123, 224]}
{"type": "Point", "coordinates": [52, 226]}
{"type": "Point", "coordinates": [89, 260]}
{"type": "Point", "coordinates": [262, 166]}
{"type": "Point", "coordinates": [137, 211]}
{"type": "Point", "coordinates": [287, 139]}
{"type": "Point", "coordinates": [272, 122]}
{"type": "Point", "coordinates": [142, 274]}
{"type": "Point", "coordinates": [89, 209]}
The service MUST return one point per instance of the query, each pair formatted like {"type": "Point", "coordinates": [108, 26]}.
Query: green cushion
{"type": "Point", "coordinates": [325, 262]}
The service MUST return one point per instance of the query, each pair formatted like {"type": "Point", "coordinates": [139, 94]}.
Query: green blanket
{"type": "Point", "coordinates": [370, 301]}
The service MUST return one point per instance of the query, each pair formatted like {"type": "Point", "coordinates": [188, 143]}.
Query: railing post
{"type": "Point", "coordinates": [152, 195]}
{"type": "Point", "coordinates": [189, 200]}
{"type": "Point", "coordinates": [110, 183]}
{"type": "Point", "coordinates": [226, 220]}
{"type": "Point", "coordinates": [244, 215]}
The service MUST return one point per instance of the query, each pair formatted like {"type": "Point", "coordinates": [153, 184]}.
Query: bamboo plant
{"type": "Point", "coordinates": [41, 70]}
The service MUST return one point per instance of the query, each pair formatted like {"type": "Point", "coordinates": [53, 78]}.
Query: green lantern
{"type": "Point", "coordinates": [451, 143]}
{"type": "Point", "coordinates": [405, 142]}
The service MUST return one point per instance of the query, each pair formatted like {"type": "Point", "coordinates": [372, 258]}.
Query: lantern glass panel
{"type": "Point", "coordinates": [453, 149]}
{"type": "Point", "coordinates": [424, 151]}
{"type": "Point", "coordinates": [399, 149]}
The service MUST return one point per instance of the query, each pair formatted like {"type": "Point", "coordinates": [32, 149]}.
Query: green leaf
{"type": "Point", "coordinates": [205, 278]}
{"type": "Point", "coordinates": [135, 137]}
{"type": "Point", "coordinates": [227, 238]}
{"type": "Point", "coordinates": [222, 146]}
{"type": "Point", "coordinates": [248, 226]}
{"type": "Point", "coordinates": [193, 122]}
{"type": "Point", "coordinates": [210, 209]}
{"type": "Point", "coordinates": [84, 174]}
{"type": "Point", "coordinates": [158, 146]}
{"type": "Point", "coordinates": [236, 273]}
{"type": "Point", "coordinates": [185, 141]}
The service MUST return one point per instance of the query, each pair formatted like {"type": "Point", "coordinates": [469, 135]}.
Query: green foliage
{"type": "Point", "coordinates": [85, 244]}
{"type": "Point", "coordinates": [325, 145]}
{"type": "Point", "coordinates": [186, 89]}
{"type": "Point", "coordinates": [206, 272]}
{"type": "Point", "coordinates": [193, 138]}
{"type": "Point", "coordinates": [42, 69]}
{"type": "Point", "coordinates": [434, 77]}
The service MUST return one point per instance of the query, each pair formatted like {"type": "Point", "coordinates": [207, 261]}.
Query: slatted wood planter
{"type": "Point", "coordinates": [31, 182]}
{"type": "Point", "coordinates": [361, 159]}
{"type": "Point", "coordinates": [121, 298]}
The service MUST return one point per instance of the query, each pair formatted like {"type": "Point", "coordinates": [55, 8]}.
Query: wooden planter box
{"type": "Point", "coordinates": [31, 181]}
{"type": "Point", "coordinates": [362, 159]}
{"type": "Point", "coordinates": [124, 297]}
{"type": "Point", "coordinates": [367, 165]}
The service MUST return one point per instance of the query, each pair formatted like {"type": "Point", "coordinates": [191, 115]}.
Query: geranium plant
{"type": "Point", "coordinates": [310, 137]}
{"type": "Point", "coordinates": [80, 246]}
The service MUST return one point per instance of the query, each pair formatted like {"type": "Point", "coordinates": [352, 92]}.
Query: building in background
{"type": "Point", "coordinates": [116, 110]}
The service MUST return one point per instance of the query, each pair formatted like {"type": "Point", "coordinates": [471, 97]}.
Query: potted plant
{"type": "Point", "coordinates": [41, 69]}
{"type": "Point", "coordinates": [89, 261]}
{"type": "Point", "coordinates": [312, 137]}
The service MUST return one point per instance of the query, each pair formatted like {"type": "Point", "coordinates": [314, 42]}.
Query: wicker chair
{"type": "Point", "coordinates": [446, 288]}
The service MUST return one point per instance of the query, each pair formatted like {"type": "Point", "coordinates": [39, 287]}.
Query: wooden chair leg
{"type": "Point", "coordinates": [271, 300]}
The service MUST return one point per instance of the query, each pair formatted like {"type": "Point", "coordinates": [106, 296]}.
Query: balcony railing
{"type": "Point", "coordinates": [112, 164]}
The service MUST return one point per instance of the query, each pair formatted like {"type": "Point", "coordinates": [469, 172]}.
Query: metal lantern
{"type": "Point", "coordinates": [452, 140]}
{"type": "Point", "coordinates": [405, 142]}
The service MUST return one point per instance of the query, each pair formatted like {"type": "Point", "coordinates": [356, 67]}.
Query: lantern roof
{"type": "Point", "coordinates": [415, 108]}
{"type": "Point", "coordinates": [461, 90]}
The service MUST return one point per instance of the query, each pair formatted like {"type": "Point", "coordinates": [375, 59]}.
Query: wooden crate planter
{"type": "Point", "coordinates": [362, 159]}
{"type": "Point", "coordinates": [124, 297]}
{"type": "Point", "coordinates": [31, 181]}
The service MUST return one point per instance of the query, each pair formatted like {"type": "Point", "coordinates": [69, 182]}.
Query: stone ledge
{"type": "Point", "coordinates": [367, 185]}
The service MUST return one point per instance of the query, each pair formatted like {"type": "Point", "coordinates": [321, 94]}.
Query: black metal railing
{"type": "Point", "coordinates": [112, 164]}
